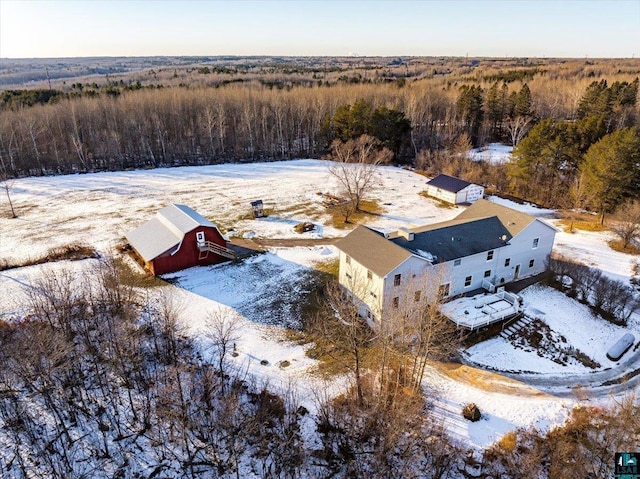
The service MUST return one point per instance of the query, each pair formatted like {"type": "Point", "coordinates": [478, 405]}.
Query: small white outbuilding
{"type": "Point", "coordinates": [454, 190]}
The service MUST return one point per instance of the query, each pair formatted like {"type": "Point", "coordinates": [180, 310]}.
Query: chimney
{"type": "Point", "coordinates": [406, 233]}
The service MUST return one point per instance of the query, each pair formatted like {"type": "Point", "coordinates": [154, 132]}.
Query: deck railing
{"type": "Point", "coordinates": [210, 246]}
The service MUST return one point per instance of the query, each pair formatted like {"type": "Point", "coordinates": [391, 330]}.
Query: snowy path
{"type": "Point", "coordinates": [566, 385]}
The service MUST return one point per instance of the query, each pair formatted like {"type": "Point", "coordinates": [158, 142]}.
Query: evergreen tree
{"type": "Point", "coordinates": [352, 121]}
{"type": "Point", "coordinates": [543, 161]}
{"type": "Point", "coordinates": [522, 102]}
{"type": "Point", "coordinates": [595, 101]}
{"type": "Point", "coordinates": [611, 169]}
{"type": "Point", "coordinates": [389, 126]}
{"type": "Point", "coordinates": [494, 110]}
{"type": "Point", "coordinates": [470, 110]}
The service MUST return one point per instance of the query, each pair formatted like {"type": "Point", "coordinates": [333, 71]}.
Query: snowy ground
{"type": "Point", "coordinates": [572, 326]}
{"type": "Point", "coordinates": [494, 153]}
{"type": "Point", "coordinates": [98, 209]}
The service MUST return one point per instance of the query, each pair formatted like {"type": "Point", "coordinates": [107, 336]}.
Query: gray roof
{"type": "Point", "coordinates": [515, 221]}
{"type": "Point", "coordinates": [372, 250]}
{"type": "Point", "coordinates": [456, 239]}
{"type": "Point", "coordinates": [165, 231]}
{"type": "Point", "coordinates": [448, 183]}
{"type": "Point", "coordinates": [483, 226]}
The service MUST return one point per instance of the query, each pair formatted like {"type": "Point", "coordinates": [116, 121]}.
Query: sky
{"type": "Point", "coordinates": [507, 28]}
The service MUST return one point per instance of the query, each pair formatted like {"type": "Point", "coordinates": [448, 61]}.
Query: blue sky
{"type": "Point", "coordinates": [577, 28]}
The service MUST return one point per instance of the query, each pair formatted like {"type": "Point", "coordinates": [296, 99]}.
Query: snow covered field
{"type": "Point", "coordinates": [97, 209]}
{"type": "Point", "coordinates": [494, 153]}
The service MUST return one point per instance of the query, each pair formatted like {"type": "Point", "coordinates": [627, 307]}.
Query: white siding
{"type": "Point", "coordinates": [470, 194]}
{"type": "Point", "coordinates": [354, 277]}
{"type": "Point", "coordinates": [377, 293]}
{"type": "Point", "coordinates": [412, 275]}
{"type": "Point", "coordinates": [441, 194]}
{"type": "Point", "coordinates": [521, 251]}
{"type": "Point", "coordinates": [474, 266]}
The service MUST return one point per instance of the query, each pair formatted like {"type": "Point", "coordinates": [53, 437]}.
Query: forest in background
{"type": "Point", "coordinates": [98, 379]}
{"type": "Point", "coordinates": [428, 111]}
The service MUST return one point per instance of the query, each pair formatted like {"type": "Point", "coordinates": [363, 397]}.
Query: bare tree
{"type": "Point", "coordinates": [223, 330]}
{"type": "Point", "coordinates": [576, 200]}
{"type": "Point", "coordinates": [7, 186]}
{"type": "Point", "coordinates": [416, 329]}
{"type": "Point", "coordinates": [627, 222]}
{"type": "Point", "coordinates": [355, 167]}
{"type": "Point", "coordinates": [7, 183]}
{"type": "Point", "coordinates": [346, 331]}
{"type": "Point", "coordinates": [166, 319]}
{"type": "Point", "coordinates": [518, 128]}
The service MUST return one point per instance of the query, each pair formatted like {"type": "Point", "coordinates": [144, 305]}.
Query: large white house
{"type": "Point", "coordinates": [486, 246]}
{"type": "Point", "coordinates": [454, 190]}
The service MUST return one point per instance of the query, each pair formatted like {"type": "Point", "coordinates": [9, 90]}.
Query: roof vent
{"type": "Point", "coordinates": [504, 237]}
{"type": "Point", "coordinates": [406, 233]}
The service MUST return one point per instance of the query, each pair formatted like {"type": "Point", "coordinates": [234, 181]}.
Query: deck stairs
{"type": "Point", "coordinates": [207, 247]}
{"type": "Point", "coordinates": [519, 323]}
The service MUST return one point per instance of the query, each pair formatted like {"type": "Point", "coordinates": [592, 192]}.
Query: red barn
{"type": "Point", "coordinates": [178, 238]}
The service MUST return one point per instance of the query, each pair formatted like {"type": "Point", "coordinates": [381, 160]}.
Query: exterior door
{"type": "Point", "coordinates": [516, 273]}
{"type": "Point", "coordinates": [200, 237]}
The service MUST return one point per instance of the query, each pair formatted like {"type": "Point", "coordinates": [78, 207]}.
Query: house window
{"type": "Point", "coordinates": [348, 275]}
{"type": "Point", "coordinates": [457, 262]}
{"type": "Point", "coordinates": [531, 263]}
{"type": "Point", "coordinates": [467, 281]}
{"type": "Point", "coordinates": [507, 261]}
{"type": "Point", "coordinates": [489, 255]}
{"type": "Point", "coordinates": [487, 273]}
{"type": "Point", "coordinates": [416, 296]}
{"type": "Point", "coordinates": [443, 290]}
{"type": "Point", "coordinates": [375, 296]}
{"type": "Point", "coordinates": [535, 242]}
{"type": "Point", "coordinates": [369, 274]}
{"type": "Point", "coordinates": [396, 302]}
{"type": "Point", "coordinates": [348, 259]}
{"type": "Point", "coordinates": [368, 314]}
{"type": "Point", "coordinates": [396, 279]}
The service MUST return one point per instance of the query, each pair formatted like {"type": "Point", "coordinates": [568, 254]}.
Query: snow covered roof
{"type": "Point", "coordinates": [448, 183]}
{"type": "Point", "coordinates": [165, 231]}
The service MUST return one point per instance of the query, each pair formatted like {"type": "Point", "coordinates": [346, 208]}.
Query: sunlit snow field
{"type": "Point", "coordinates": [97, 209]}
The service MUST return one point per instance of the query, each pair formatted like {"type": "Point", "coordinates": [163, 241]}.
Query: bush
{"type": "Point", "coordinates": [471, 412]}
{"type": "Point", "coordinates": [613, 300]}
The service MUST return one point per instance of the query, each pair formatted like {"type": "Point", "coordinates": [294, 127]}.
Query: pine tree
{"type": "Point", "coordinates": [523, 104]}
{"type": "Point", "coordinates": [494, 109]}
{"type": "Point", "coordinates": [611, 169]}
{"type": "Point", "coordinates": [596, 101]}
{"type": "Point", "coordinates": [470, 110]}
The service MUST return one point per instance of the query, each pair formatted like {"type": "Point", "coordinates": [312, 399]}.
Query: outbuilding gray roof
{"type": "Point", "coordinates": [165, 231]}
{"type": "Point", "coordinates": [448, 183]}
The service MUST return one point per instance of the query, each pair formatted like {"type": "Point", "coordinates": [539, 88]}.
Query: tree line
{"type": "Point", "coordinates": [553, 123]}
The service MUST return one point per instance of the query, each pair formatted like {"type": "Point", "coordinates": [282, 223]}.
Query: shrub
{"type": "Point", "coordinates": [471, 412]}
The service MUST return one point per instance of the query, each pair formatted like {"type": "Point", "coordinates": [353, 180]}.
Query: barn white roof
{"type": "Point", "coordinates": [165, 231]}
